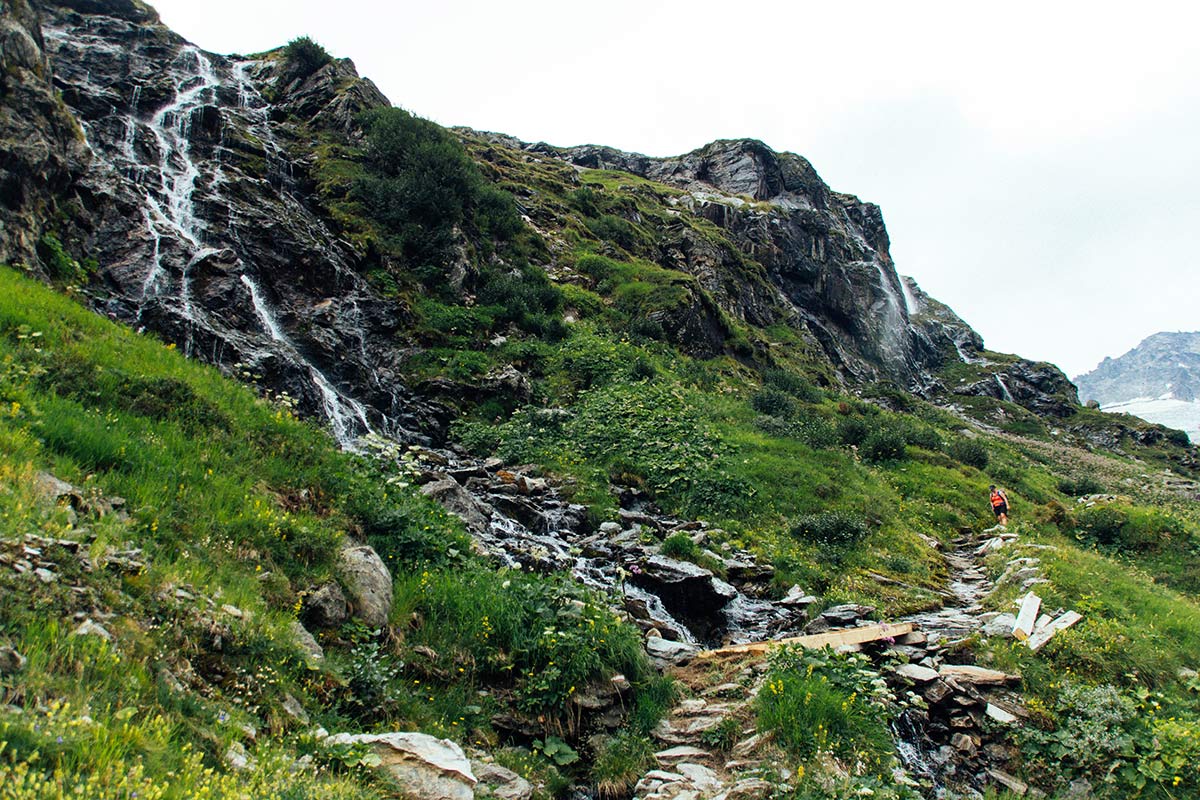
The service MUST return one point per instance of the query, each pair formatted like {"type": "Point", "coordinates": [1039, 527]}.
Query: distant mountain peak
{"type": "Point", "coordinates": [1158, 380]}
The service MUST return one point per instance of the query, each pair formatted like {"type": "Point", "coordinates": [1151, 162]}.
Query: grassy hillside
{"type": "Point", "coordinates": [201, 517]}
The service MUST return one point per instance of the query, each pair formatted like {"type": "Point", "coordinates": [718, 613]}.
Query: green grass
{"type": "Point", "coordinates": [236, 503]}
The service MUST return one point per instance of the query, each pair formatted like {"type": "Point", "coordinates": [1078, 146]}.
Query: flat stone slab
{"type": "Point", "coordinates": [966, 673]}
{"type": "Point", "coordinates": [915, 672]}
{"type": "Point", "coordinates": [680, 753]}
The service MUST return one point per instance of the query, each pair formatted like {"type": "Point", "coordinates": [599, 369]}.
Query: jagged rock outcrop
{"type": "Point", "coordinates": [201, 222]}
{"type": "Point", "coordinates": [1040, 387]}
{"type": "Point", "coordinates": [826, 255]}
{"type": "Point", "coordinates": [189, 178]}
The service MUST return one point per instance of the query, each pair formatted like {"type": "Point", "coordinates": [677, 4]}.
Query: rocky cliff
{"type": "Point", "coordinates": [191, 186]}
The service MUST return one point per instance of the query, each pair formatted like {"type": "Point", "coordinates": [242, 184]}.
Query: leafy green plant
{"type": "Point", "coordinates": [883, 444]}
{"type": "Point", "coordinates": [817, 703]}
{"type": "Point", "coordinates": [620, 762]}
{"type": "Point", "coordinates": [773, 402]}
{"type": "Point", "coordinates": [680, 545]}
{"type": "Point", "coordinates": [831, 528]}
{"type": "Point", "coordinates": [556, 751]}
{"type": "Point", "coordinates": [971, 452]}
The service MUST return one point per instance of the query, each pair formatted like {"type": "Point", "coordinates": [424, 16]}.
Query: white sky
{"type": "Point", "coordinates": [1037, 162]}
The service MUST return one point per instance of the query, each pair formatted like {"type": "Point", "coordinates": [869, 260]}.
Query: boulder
{"type": "Point", "coordinates": [797, 598]}
{"type": "Point", "coordinates": [664, 652]}
{"type": "Point", "coordinates": [499, 782]}
{"type": "Point", "coordinates": [427, 767]}
{"type": "Point", "coordinates": [327, 607]}
{"type": "Point", "coordinates": [917, 673]}
{"type": "Point", "coordinates": [459, 502]}
{"type": "Point", "coordinates": [11, 661]}
{"type": "Point", "coordinates": [368, 582]}
{"type": "Point", "coordinates": [846, 615]}
{"type": "Point", "coordinates": [306, 642]}
{"type": "Point", "coordinates": [967, 673]}
{"type": "Point", "coordinates": [1000, 625]}
{"type": "Point", "coordinates": [688, 591]}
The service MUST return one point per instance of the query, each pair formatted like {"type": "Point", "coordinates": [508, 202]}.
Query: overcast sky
{"type": "Point", "coordinates": [1037, 163]}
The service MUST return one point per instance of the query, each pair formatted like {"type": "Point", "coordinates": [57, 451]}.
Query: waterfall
{"type": "Point", "coordinates": [346, 415]}
{"type": "Point", "coordinates": [1005, 394]}
{"type": "Point", "coordinates": [911, 304]}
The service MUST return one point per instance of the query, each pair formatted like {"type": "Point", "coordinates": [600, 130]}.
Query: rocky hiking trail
{"type": "Point", "coordinates": [951, 735]}
{"type": "Point", "coordinates": [953, 732]}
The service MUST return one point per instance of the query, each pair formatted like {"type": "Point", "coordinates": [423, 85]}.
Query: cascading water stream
{"type": "Point", "coordinates": [171, 210]}
{"type": "Point", "coordinates": [347, 417]}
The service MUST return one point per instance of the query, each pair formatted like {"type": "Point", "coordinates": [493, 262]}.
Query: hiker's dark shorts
{"type": "Point", "coordinates": [1000, 509]}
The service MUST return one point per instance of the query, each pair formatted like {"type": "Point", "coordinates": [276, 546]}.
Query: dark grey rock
{"type": "Point", "coordinates": [327, 607]}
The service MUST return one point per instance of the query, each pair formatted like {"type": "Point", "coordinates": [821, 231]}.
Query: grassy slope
{"type": "Point", "coordinates": [235, 503]}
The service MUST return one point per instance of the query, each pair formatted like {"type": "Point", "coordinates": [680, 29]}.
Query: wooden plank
{"type": "Point", "coordinates": [1027, 617]}
{"type": "Point", "coordinates": [866, 633]}
{"type": "Point", "coordinates": [1045, 633]}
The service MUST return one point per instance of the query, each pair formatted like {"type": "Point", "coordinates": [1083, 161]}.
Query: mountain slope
{"type": "Point", "coordinates": [606, 407]}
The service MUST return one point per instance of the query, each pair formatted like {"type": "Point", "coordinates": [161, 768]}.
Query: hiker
{"type": "Point", "coordinates": [999, 505]}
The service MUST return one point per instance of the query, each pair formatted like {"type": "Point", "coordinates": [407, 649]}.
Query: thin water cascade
{"type": "Point", "coordinates": [172, 210]}
{"type": "Point", "coordinates": [1004, 392]}
{"type": "Point", "coordinates": [347, 417]}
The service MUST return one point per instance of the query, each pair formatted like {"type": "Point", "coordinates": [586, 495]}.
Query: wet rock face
{"type": "Point", "coordinates": [182, 187]}
{"type": "Point", "coordinates": [690, 592]}
{"type": "Point", "coordinates": [41, 151]}
{"type": "Point", "coordinates": [1039, 387]}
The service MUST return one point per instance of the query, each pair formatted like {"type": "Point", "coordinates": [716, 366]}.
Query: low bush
{"type": "Point", "coordinates": [971, 452]}
{"type": "Point", "coordinates": [304, 56]}
{"type": "Point", "coordinates": [680, 545]}
{"type": "Point", "coordinates": [795, 385]}
{"type": "Point", "coordinates": [773, 402]}
{"type": "Point", "coordinates": [883, 444]}
{"type": "Point", "coordinates": [1081, 486]}
{"type": "Point", "coordinates": [831, 528]}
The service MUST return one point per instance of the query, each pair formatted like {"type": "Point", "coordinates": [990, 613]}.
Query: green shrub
{"type": "Point", "coordinates": [1129, 528]}
{"type": "Point", "coordinates": [852, 430]}
{"type": "Point", "coordinates": [831, 528]}
{"type": "Point", "coordinates": [773, 402]}
{"type": "Point", "coordinates": [59, 264]}
{"type": "Point", "coordinates": [420, 185]}
{"type": "Point", "coordinates": [680, 545]}
{"type": "Point", "coordinates": [816, 702]}
{"type": "Point", "coordinates": [611, 228]}
{"type": "Point", "coordinates": [304, 56]}
{"type": "Point", "coordinates": [1081, 486]}
{"type": "Point", "coordinates": [969, 451]}
{"type": "Point", "coordinates": [620, 762]}
{"type": "Point", "coordinates": [922, 436]}
{"type": "Point", "coordinates": [797, 386]}
{"type": "Point", "coordinates": [883, 444]}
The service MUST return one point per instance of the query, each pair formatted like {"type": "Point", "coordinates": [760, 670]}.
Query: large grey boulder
{"type": "Point", "coordinates": [688, 591]}
{"type": "Point", "coordinates": [368, 582]}
{"type": "Point", "coordinates": [426, 767]}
